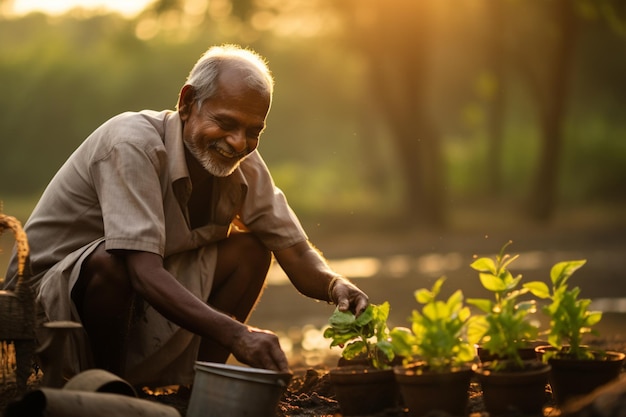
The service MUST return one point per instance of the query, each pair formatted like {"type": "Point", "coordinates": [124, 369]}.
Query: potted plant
{"type": "Point", "coordinates": [365, 382]}
{"type": "Point", "coordinates": [577, 369]}
{"type": "Point", "coordinates": [438, 358]}
{"type": "Point", "coordinates": [504, 329]}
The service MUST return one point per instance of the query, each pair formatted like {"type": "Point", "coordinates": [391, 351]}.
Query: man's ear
{"type": "Point", "coordinates": [185, 101]}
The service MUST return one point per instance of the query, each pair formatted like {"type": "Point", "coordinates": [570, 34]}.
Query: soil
{"type": "Point", "coordinates": [309, 394]}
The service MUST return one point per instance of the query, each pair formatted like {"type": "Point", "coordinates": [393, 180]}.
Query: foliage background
{"type": "Point", "coordinates": [329, 143]}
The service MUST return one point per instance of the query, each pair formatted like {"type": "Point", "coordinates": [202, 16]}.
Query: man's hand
{"type": "Point", "coordinates": [259, 349]}
{"type": "Point", "coordinates": [348, 296]}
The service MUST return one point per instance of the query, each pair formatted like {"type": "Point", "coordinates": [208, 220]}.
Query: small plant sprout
{"type": "Point", "coordinates": [505, 327]}
{"type": "Point", "coordinates": [570, 318]}
{"type": "Point", "coordinates": [364, 336]}
{"type": "Point", "coordinates": [437, 332]}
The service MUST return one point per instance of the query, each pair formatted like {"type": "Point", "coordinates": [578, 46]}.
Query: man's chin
{"type": "Point", "coordinates": [221, 170]}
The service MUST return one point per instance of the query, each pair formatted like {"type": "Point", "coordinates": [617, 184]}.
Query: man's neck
{"type": "Point", "coordinates": [197, 173]}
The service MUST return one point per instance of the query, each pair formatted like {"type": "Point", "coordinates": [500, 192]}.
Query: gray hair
{"type": "Point", "coordinates": [204, 74]}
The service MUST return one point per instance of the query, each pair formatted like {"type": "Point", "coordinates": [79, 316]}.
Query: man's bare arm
{"type": "Point", "coordinates": [160, 289]}
{"type": "Point", "coordinates": [312, 276]}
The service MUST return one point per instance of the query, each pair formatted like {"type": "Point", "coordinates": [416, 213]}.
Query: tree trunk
{"type": "Point", "coordinates": [545, 188]}
{"type": "Point", "coordinates": [397, 61]}
{"type": "Point", "coordinates": [497, 111]}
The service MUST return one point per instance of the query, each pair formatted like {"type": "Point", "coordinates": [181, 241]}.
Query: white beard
{"type": "Point", "coordinates": [209, 163]}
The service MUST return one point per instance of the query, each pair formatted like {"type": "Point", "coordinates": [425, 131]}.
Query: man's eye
{"type": "Point", "coordinates": [225, 125]}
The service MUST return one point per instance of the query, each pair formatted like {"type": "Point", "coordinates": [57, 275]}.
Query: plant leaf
{"type": "Point", "coordinates": [354, 349]}
{"type": "Point", "coordinates": [593, 318]}
{"type": "Point", "coordinates": [476, 329]}
{"type": "Point", "coordinates": [562, 271]}
{"type": "Point", "coordinates": [341, 319]}
{"type": "Point", "coordinates": [492, 282]}
{"type": "Point", "coordinates": [538, 289]}
{"type": "Point", "coordinates": [365, 316]}
{"type": "Point", "coordinates": [423, 296]}
{"type": "Point", "coordinates": [484, 265]}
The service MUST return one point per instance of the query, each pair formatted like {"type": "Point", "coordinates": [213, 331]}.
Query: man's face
{"type": "Point", "coordinates": [227, 127]}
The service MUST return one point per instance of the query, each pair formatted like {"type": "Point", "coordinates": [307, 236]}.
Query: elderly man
{"type": "Point", "coordinates": [158, 231]}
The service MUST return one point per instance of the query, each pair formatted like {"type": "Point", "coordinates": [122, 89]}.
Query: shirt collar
{"type": "Point", "coordinates": [175, 148]}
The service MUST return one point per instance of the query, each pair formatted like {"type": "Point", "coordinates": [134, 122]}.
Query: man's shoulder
{"type": "Point", "coordinates": [142, 122]}
{"type": "Point", "coordinates": [139, 130]}
{"type": "Point", "coordinates": [144, 128]}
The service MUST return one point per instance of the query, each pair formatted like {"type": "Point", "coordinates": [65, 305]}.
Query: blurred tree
{"type": "Point", "coordinates": [62, 80]}
{"type": "Point", "coordinates": [551, 91]}
{"type": "Point", "coordinates": [496, 92]}
{"type": "Point", "coordinates": [547, 42]}
{"type": "Point", "coordinates": [401, 74]}
{"type": "Point", "coordinates": [541, 41]}
{"type": "Point", "coordinates": [394, 39]}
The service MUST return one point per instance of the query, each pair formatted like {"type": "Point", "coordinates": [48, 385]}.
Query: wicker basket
{"type": "Point", "coordinates": [17, 307]}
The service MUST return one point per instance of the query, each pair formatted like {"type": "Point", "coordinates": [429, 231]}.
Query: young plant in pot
{"type": "Point", "coordinates": [364, 382]}
{"type": "Point", "coordinates": [504, 329]}
{"type": "Point", "coordinates": [577, 369]}
{"type": "Point", "coordinates": [438, 358]}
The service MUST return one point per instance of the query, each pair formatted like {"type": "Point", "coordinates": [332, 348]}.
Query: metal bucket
{"type": "Point", "coordinates": [235, 391]}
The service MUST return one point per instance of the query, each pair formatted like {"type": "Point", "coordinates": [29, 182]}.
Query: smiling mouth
{"type": "Point", "coordinates": [227, 152]}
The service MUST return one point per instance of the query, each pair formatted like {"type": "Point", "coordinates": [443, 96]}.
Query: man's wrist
{"type": "Point", "coordinates": [331, 286]}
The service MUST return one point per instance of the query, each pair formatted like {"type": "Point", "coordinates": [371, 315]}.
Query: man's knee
{"type": "Point", "coordinates": [107, 268]}
{"type": "Point", "coordinates": [253, 248]}
{"type": "Point", "coordinates": [103, 275]}
{"type": "Point", "coordinates": [243, 255]}
{"type": "Point", "coordinates": [247, 248]}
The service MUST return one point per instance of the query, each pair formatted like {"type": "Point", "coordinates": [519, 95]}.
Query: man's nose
{"type": "Point", "coordinates": [237, 140]}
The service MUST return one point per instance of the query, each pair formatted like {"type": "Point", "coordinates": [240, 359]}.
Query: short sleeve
{"type": "Point", "coordinates": [129, 189]}
{"type": "Point", "coordinates": [265, 210]}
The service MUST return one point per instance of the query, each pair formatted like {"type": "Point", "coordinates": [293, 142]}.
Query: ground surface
{"type": "Point", "coordinates": [309, 394]}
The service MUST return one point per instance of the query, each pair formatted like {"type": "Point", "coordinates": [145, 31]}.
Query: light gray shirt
{"type": "Point", "coordinates": [128, 183]}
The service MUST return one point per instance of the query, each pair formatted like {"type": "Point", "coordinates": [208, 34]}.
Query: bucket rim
{"type": "Point", "coordinates": [264, 376]}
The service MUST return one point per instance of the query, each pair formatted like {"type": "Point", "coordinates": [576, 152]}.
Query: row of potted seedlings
{"type": "Point", "coordinates": [430, 365]}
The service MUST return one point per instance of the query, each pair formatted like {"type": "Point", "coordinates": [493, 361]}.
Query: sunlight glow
{"type": "Point", "coordinates": [57, 7]}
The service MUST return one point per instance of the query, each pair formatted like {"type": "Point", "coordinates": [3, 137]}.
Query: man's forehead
{"type": "Point", "coordinates": [242, 73]}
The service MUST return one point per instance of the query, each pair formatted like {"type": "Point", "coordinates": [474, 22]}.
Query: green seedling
{"type": "Point", "coordinates": [570, 317]}
{"type": "Point", "coordinates": [437, 334]}
{"type": "Point", "coordinates": [365, 336]}
{"type": "Point", "coordinates": [504, 327]}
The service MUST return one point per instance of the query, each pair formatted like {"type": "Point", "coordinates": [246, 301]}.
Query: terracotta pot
{"type": "Point", "coordinates": [424, 391]}
{"type": "Point", "coordinates": [514, 391]}
{"type": "Point", "coordinates": [571, 378]}
{"type": "Point", "coordinates": [526, 353]}
{"type": "Point", "coordinates": [362, 390]}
